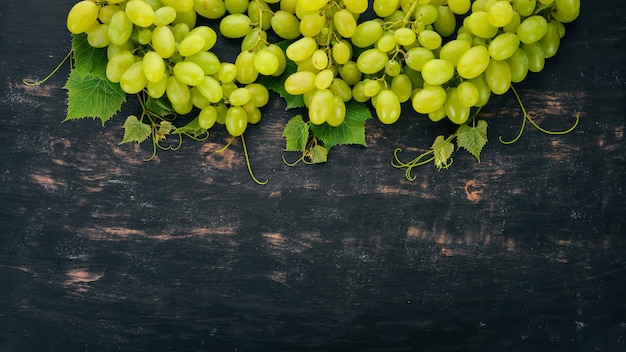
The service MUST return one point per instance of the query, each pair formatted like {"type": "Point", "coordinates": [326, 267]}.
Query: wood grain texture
{"type": "Point", "coordinates": [102, 251]}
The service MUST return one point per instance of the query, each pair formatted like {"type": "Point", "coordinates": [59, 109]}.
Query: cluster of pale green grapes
{"type": "Point", "coordinates": [409, 51]}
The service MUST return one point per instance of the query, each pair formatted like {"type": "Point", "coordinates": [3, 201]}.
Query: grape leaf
{"type": "Point", "coordinates": [87, 59]}
{"type": "Point", "coordinates": [192, 128]}
{"type": "Point", "coordinates": [319, 154]}
{"type": "Point", "coordinates": [351, 131]}
{"type": "Point", "coordinates": [92, 96]}
{"type": "Point", "coordinates": [135, 130]}
{"type": "Point", "coordinates": [473, 139]}
{"type": "Point", "coordinates": [160, 107]}
{"type": "Point", "coordinates": [296, 132]}
{"type": "Point", "coordinates": [276, 84]}
{"type": "Point", "coordinates": [442, 149]}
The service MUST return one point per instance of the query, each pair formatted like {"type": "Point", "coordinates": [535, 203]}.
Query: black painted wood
{"type": "Point", "coordinates": [101, 251]}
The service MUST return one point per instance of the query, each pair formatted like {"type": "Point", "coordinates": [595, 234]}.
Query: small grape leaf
{"type": "Point", "coordinates": [277, 85]}
{"type": "Point", "coordinates": [160, 107]}
{"type": "Point", "coordinates": [296, 132]}
{"type": "Point", "coordinates": [442, 149]}
{"type": "Point", "coordinates": [87, 59]}
{"type": "Point", "coordinates": [473, 139]}
{"type": "Point", "coordinates": [92, 96]}
{"type": "Point", "coordinates": [192, 128]}
{"type": "Point", "coordinates": [351, 131]}
{"type": "Point", "coordinates": [135, 130]}
{"type": "Point", "coordinates": [319, 154]}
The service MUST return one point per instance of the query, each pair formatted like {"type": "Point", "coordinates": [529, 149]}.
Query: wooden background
{"type": "Point", "coordinates": [101, 251]}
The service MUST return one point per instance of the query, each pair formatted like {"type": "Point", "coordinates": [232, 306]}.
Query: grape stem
{"type": "Point", "coordinates": [245, 153]}
{"type": "Point", "coordinates": [40, 82]}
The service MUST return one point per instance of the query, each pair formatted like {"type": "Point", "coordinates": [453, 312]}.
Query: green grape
{"type": "Point", "coordinates": [551, 41]}
{"type": "Point", "coordinates": [500, 13]}
{"type": "Point", "coordinates": [371, 87]}
{"type": "Point", "coordinates": [427, 14]}
{"type": "Point", "coordinates": [429, 99]}
{"type": "Point", "coordinates": [82, 16]}
{"type": "Point", "coordinates": [367, 33]}
{"type": "Point", "coordinates": [532, 29]}
{"type": "Point", "coordinates": [98, 36]}
{"type": "Point", "coordinates": [157, 89]}
{"type": "Point", "coordinates": [313, 5]}
{"type": "Point", "coordinates": [228, 89]}
{"type": "Point", "coordinates": [144, 37]}
{"type": "Point", "coordinates": [478, 24]}
{"type": "Point", "coordinates": [254, 40]}
{"type": "Point", "coordinates": [356, 6]}
{"type": "Point", "coordinates": [371, 61]}
{"type": "Point", "coordinates": [341, 89]}
{"type": "Point", "coordinates": [120, 28]}
{"type": "Point", "coordinates": [566, 11]}
{"type": "Point", "coordinates": [322, 106]}
{"type": "Point", "coordinates": [139, 13]}
{"type": "Point", "coordinates": [467, 94]}
{"type": "Point", "coordinates": [311, 23]}
{"type": "Point", "coordinates": [350, 72]}
{"type": "Point", "coordinates": [239, 96]}
{"type": "Point", "coordinates": [236, 121]}
{"type": "Point", "coordinates": [246, 71]}
{"type": "Point", "coordinates": [211, 89]}
{"type": "Point", "coordinates": [183, 109]}
{"type": "Point", "coordinates": [324, 79]}
{"type": "Point", "coordinates": [417, 57]}
{"type": "Point", "coordinates": [300, 82]}
{"type": "Point", "coordinates": [388, 107]}
{"type": "Point", "coordinates": [319, 59]}
{"type": "Point", "coordinates": [452, 50]}
{"type": "Point", "coordinates": [260, 96]}
{"type": "Point", "coordinates": [536, 56]}
{"type": "Point", "coordinates": [345, 23]}
{"type": "Point", "coordinates": [484, 92]}
{"type": "Point", "coordinates": [403, 36]}
{"type": "Point", "coordinates": [384, 8]}
{"type": "Point", "coordinates": [196, 98]}
{"type": "Point", "coordinates": [473, 62]}
{"type": "Point", "coordinates": [208, 62]}
{"type": "Point", "coordinates": [387, 42]}
{"type": "Point", "coordinates": [153, 66]}
{"type": "Point", "coordinates": [518, 63]}
{"type": "Point", "coordinates": [459, 7]}
{"type": "Point", "coordinates": [429, 39]}
{"type": "Point", "coordinates": [180, 5]}
{"type": "Point", "coordinates": [180, 31]}
{"type": "Point", "coordinates": [212, 9]}
{"type": "Point", "coordinates": [437, 115]}
{"type": "Point", "coordinates": [186, 17]}
{"type": "Point", "coordinates": [455, 111]}
{"type": "Point", "coordinates": [253, 113]}
{"type": "Point", "coordinates": [393, 67]}
{"type": "Point", "coordinates": [260, 13]}
{"type": "Point", "coordinates": [306, 65]}
{"type": "Point", "coordinates": [301, 49]}
{"type": "Point", "coordinates": [209, 35]}
{"type": "Point", "coordinates": [402, 86]}
{"type": "Point", "coordinates": [437, 72]}
{"type": "Point", "coordinates": [525, 7]}
{"type": "Point", "coordinates": [341, 52]}
{"type": "Point", "coordinates": [227, 72]}
{"type": "Point", "coordinates": [235, 25]}
{"type": "Point", "coordinates": [338, 114]}
{"type": "Point", "coordinates": [498, 75]}
{"type": "Point", "coordinates": [236, 6]}
{"type": "Point", "coordinates": [133, 79]}
{"type": "Point", "coordinates": [503, 46]}
{"type": "Point", "coordinates": [189, 73]}
{"type": "Point", "coordinates": [266, 62]}
{"type": "Point", "coordinates": [118, 64]}
{"type": "Point", "coordinates": [164, 16]}
{"type": "Point", "coordinates": [163, 41]}
{"type": "Point", "coordinates": [358, 92]}
{"type": "Point", "coordinates": [286, 25]}
{"type": "Point", "coordinates": [513, 24]}
{"type": "Point", "coordinates": [192, 44]}
{"type": "Point", "coordinates": [222, 109]}
{"type": "Point", "coordinates": [106, 12]}
{"type": "Point", "coordinates": [280, 55]}
{"type": "Point", "coordinates": [207, 117]}
{"type": "Point", "coordinates": [445, 24]}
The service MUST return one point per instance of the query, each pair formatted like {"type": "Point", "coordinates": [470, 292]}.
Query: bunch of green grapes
{"type": "Point", "coordinates": [154, 46]}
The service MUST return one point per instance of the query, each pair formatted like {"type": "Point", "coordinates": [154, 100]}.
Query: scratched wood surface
{"type": "Point", "coordinates": [101, 251]}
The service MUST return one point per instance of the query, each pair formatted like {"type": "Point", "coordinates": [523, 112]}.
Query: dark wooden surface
{"type": "Point", "coordinates": [101, 251]}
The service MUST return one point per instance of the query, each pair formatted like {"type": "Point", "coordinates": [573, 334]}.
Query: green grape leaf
{"type": "Point", "coordinates": [92, 96]}
{"type": "Point", "coordinates": [87, 59]}
{"type": "Point", "coordinates": [319, 154]}
{"type": "Point", "coordinates": [442, 149]}
{"type": "Point", "coordinates": [160, 107]}
{"type": "Point", "coordinates": [135, 130]}
{"type": "Point", "coordinates": [276, 84]}
{"type": "Point", "coordinates": [472, 138]}
{"type": "Point", "coordinates": [192, 128]}
{"type": "Point", "coordinates": [351, 131]}
{"type": "Point", "coordinates": [296, 132]}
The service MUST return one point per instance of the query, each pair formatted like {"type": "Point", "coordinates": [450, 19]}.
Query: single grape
{"type": "Point", "coordinates": [236, 121]}
{"type": "Point", "coordinates": [163, 41]}
{"type": "Point", "coordinates": [404, 36]}
{"type": "Point", "coordinates": [207, 117]}
{"type": "Point", "coordinates": [212, 9]}
{"type": "Point", "coordinates": [313, 5]}
{"type": "Point", "coordinates": [455, 111]}
{"type": "Point", "coordinates": [341, 52]}
{"type": "Point", "coordinates": [371, 61]}
{"type": "Point", "coordinates": [479, 25]}
{"type": "Point", "coordinates": [98, 36]}
{"type": "Point", "coordinates": [120, 28]}
{"type": "Point", "coordinates": [164, 16]}
{"type": "Point", "coordinates": [189, 73]}
{"type": "Point", "coordinates": [211, 89]}
{"type": "Point", "coordinates": [252, 113]}
{"type": "Point", "coordinates": [209, 35]}
{"type": "Point", "coordinates": [518, 63]}
{"type": "Point", "coordinates": [341, 89]}
{"type": "Point", "coordinates": [260, 96]}
{"type": "Point", "coordinates": [246, 71]}
{"type": "Point", "coordinates": [319, 59]}
{"type": "Point", "coordinates": [266, 62]}
{"type": "Point", "coordinates": [417, 57]}
{"type": "Point", "coordinates": [180, 5]}
{"type": "Point", "coordinates": [239, 96]}
{"type": "Point", "coordinates": [345, 23]}
{"type": "Point", "coordinates": [500, 13]}
{"type": "Point", "coordinates": [82, 16]}
{"type": "Point", "coordinates": [503, 46]}
{"type": "Point", "coordinates": [437, 72]}
{"type": "Point", "coordinates": [536, 56]}
{"type": "Point", "coordinates": [467, 94]}
{"type": "Point", "coordinates": [430, 39]}
{"type": "Point", "coordinates": [280, 55]}
{"type": "Point", "coordinates": [157, 89]}
{"type": "Point", "coordinates": [484, 92]}
{"type": "Point", "coordinates": [338, 114]}
{"type": "Point", "coordinates": [532, 29]}
{"type": "Point", "coordinates": [473, 62]}
{"type": "Point", "coordinates": [140, 13]}
{"type": "Point", "coordinates": [286, 25]}
{"type": "Point", "coordinates": [445, 24]}
{"type": "Point", "coordinates": [459, 7]}
{"type": "Point", "coordinates": [429, 99]}
{"type": "Point", "coordinates": [498, 75]}
{"type": "Point", "coordinates": [133, 80]}
{"type": "Point", "coordinates": [208, 61]}
{"type": "Point", "coordinates": [551, 41]}
{"type": "Point", "coordinates": [350, 72]}
{"type": "Point", "coordinates": [384, 8]}
{"type": "Point", "coordinates": [367, 33]}
{"type": "Point", "coordinates": [371, 87]}
{"type": "Point", "coordinates": [356, 6]}
{"type": "Point", "coordinates": [235, 25]}
{"type": "Point", "coordinates": [452, 50]}
{"type": "Point", "coordinates": [311, 23]}
{"type": "Point", "coordinates": [388, 107]}
{"type": "Point", "coordinates": [197, 99]}
{"type": "Point", "coordinates": [525, 7]}
{"type": "Point", "coordinates": [153, 66]}
{"type": "Point", "coordinates": [402, 86]}
{"type": "Point", "coordinates": [107, 11]}
{"type": "Point", "coordinates": [236, 6]}
{"type": "Point", "coordinates": [300, 82]}
{"type": "Point", "coordinates": [301, 49]}
{"type": "Point", "coordinates": [324, 79]}
{"type": "Point", "coordinates": [321, 106]}
{"type": "Point", "coordinates": [118, 64]}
